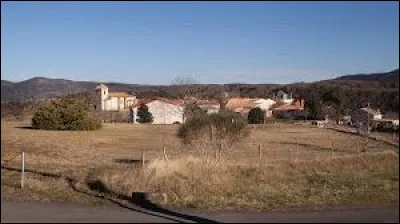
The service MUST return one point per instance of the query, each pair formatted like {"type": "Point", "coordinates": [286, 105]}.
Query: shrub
{"type": "Point", "coordinates": [256, 116]}
{"type": "Point", "coordinates": [192, 110]}
{"type": "Point", "coordinates": [64, 115]}
{"type": "Point", "coordinates": [18, 110]}
{"type": "Point", "coordinates": [144, 114]}
{"type": "Point", "coordinates": [217, 131]}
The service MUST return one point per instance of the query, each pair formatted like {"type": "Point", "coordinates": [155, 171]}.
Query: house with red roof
{"type": "Point", "coordinates": [292, 110]}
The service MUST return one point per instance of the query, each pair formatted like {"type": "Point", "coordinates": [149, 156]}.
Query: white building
{"type": "Point", "coordinates": [266, 105]}
{"type": "Point", "coordinates": [244, 105]}
{"type": "Point", "coordinates": [113, 101]}
{"type": "Point", "coordinates": [210, 106]}
{"type": "Point", "coordinates": [283, 97]}
{"type": "Point", "coordinates": [164, 111]}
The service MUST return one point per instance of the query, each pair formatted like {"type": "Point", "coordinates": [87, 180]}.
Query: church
{"type": "Point", "coordinates": [113, 101]}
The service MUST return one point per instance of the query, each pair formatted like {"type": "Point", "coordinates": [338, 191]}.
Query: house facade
{"type": "Point", "coordinates": [243, 106]}
{"type": "Point", "coordinates": [289, 111]}
{"type": "Point", "coordinates": [209, 106]}
{"type": "Point", "coordinates": [385, 124]}
{"type": "Point", "coordinates": [164, 111]}
{"type": "Point", "coordinates": [113, 101]}
{"type": "Point", "coordinates": [266, 105]}
{"type": "Point", "coordinates": [284, 98]}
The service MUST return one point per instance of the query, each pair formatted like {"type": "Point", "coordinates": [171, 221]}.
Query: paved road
{"type": "Point", "coordinates": [62, 212]}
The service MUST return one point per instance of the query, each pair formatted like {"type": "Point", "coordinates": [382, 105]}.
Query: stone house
{"type": "Point", "coordinates": [164, 111]}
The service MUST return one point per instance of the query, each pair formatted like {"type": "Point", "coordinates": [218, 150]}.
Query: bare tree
{"type": "Point", "coordinates": [181, 80]}
{"type": "Point", "coordinates": [188, 85]}
{"type": "Point", "coordinates": [223, 98]}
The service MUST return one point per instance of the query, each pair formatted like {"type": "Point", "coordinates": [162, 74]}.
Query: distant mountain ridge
{"type": "Point", "coordinates": [41, 87]}
{"type": "Point", "coordinates": [388, 76]}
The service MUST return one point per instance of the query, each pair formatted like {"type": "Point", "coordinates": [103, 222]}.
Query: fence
{"type": "Point", "coordinates": [113, 116]}
{"type": "Point", "coordinates": [22, 154]}
{"type": "Point", "coordinates": [261, 155]}
{"type": "Point", "coordinates": [392, 138]}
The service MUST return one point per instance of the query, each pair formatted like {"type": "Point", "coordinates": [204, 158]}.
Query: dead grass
{"type": "Point", "coordinates": [297, 167]}
{"type": "Point", "coordinates": [198, 183]}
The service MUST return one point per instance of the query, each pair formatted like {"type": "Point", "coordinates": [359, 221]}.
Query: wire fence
{"type": "Point", "coordinates": [22, 156]}
{"type": "Point", "coordinates": [255, 155]}
{"type": "Point", "coordinates": [10, 158]}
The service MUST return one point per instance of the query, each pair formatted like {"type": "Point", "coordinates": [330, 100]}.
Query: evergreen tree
{"type": "Point", "coordinates": [144, 115]}
{"type": "Point", "coordinates": [256, 116]}
{"type": "Point", "coordinates": [314, 107]}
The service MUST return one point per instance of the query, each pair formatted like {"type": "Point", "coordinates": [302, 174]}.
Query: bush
{"type": "Point", "coordinates": [17, 110]}
{"type": "Point", "coordinates": [64, 115]}
{"type": "Point", "coordinates": [218, 131]}
{"type": "Point", "coordinates": [192, 110]}
{"type": "Point", "coordinates": [256, 116]}
{"type": "Point", "coordinates": [144, 115]}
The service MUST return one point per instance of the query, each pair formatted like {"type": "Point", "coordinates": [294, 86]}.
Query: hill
{"type": "Point", "coordinates": [41, 87]}
{"type": "Point", "coordinates": [380, 89]}
{"type": "Point", "coordinates": [386, 77]}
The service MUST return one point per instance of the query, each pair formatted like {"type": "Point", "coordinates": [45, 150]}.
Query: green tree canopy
{"type": "Point", "coordinates": [144, 114]}
{"type": "Point", "coordinates": [314, 107]}
{"type": "Point", "coordinates": [256, 116]}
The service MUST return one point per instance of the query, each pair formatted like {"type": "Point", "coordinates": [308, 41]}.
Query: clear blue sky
{"type": "Point", "coordinates": [217, 42]}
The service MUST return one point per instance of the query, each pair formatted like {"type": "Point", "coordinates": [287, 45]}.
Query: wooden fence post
{"type": "Point", "coordinates": [22, 169]}
{"type": "Point", "coordinates": [259, 154]}
{"type": "Point", "coordinates": [276, 162]}
{"type": "Point", "coordinates": [143, 159]}
{"type": "Point", "coordinates": [165, 153]}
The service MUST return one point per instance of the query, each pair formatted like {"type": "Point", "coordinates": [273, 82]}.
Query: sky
{"type": "Point", "coordinates": [212, 42]}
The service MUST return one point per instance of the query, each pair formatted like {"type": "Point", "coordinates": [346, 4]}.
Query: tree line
{"type": "Point", "coordinates": [332, 98]}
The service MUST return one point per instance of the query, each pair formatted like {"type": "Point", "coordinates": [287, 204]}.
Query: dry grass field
{"type": "Point", "coordinates": [300, 166]}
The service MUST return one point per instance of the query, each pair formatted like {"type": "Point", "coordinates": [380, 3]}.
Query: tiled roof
{"type": "Point", "coordinates": [141, 101]}
{"type": "Point", "coordinates": [170, 101]}
{"type": "Point", "coordinates": [260, 100]}
{"type": "Point", "coordinates": [236, 103]}
{"type": "Point", "coordinates": [175, 102]}
{"type": "Point", "coordinates": [208, 103]}
{"type": "Point", "coordinates": [119, 94]}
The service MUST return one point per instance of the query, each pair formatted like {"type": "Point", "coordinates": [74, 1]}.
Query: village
{"type": "Point", "coordinates": [200, 112]}
{"type": "Point", "coordinates": [283, 106]}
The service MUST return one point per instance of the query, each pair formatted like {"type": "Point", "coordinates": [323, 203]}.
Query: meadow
{"type": "Point", "coordinates": [277, 166]}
